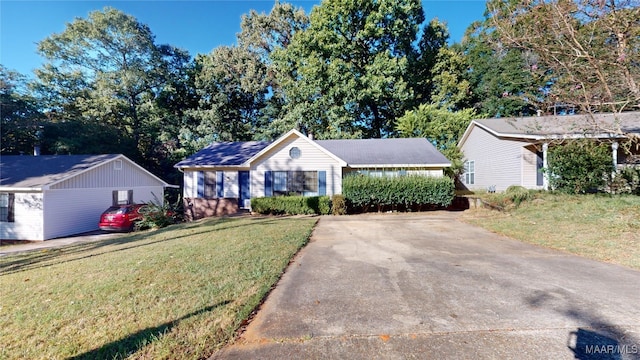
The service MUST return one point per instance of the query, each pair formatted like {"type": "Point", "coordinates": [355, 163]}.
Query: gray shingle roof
{"type": "Point", "coordinates": [35, 171]}
{"type": "Point", "coordinates": [385, 152]}
{"type": "Point", "coordinates": [224, 154]}
{"type": "Point", "coordinates": [541, 126]}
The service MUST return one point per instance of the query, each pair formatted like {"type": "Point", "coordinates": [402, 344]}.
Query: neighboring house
{"type": "Point", "coordinates": [223, 177]}
{"type": "Point", "coordinates": [513, 151]}
{"type": "Point", "coordinates": [45, 197]}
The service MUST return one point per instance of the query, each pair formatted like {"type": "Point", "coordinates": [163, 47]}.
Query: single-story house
{"type": "Point", "coordinates": [45, 197]}
{"type": "Point", "coordinates": [513, 151]}
{"type": "Point", "coordinates": [224, 176]}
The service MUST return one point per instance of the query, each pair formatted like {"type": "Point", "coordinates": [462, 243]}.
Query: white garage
{"type": "Point", "coordinates": [45, 197]}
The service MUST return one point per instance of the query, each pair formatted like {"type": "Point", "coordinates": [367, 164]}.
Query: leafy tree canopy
{"type": "Point", "coordinates": [347, 74]}
{"type": "Point", "coordinates": [591, 47]}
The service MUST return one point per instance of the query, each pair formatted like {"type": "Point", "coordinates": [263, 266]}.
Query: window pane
{"type": "Point", "coordinates": [123, 197]}
{"type": "Point", "coordinates": [279, 181]}
{"type": "Point", "coordinates": [210, 184]}
{"type": "Point", "coordinates": [311, 181]}
{"type": "Point", "coordinates": [4, 207]}
{"type": "Point", "coordinates": [296, 182]}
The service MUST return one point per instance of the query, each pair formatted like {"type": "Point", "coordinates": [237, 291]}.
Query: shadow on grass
{"type": "Point", "coordinates": [124, 347]}
{"type": "Point", "coordinates": [10, 264]}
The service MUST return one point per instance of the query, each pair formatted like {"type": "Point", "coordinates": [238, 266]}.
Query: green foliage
{"type": "Point", "coordinates": [347, 73]}
{"type": "Point", "coordinates": [19, 114]}
{"type": "Point", "coordinates": [504, 82]}
{"type": "Point", "coordinates": [365, 192]}
{"type": "Point", "coordinates": [518, 194]}
{"type": "Point", "coordinates": [579, 166]}
{"type": "Point", "coordinates": [441, 126]}
{"type": "Point", "coordinates": [107, 84]}
{"type": "Point", "coordinates": [159, 214]}
{"type": "Point", "coordinates": [292, 205]}
{"type": "Point", "coordinates": [338, 205]}
{"type": "Point", "coordinates": [627, 181]}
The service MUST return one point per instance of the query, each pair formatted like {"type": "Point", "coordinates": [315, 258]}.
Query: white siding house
{"type": "Point", "coordinates": [502, 152]}
{"type": "Point", "coordinates": [223, 177]}
{"type": "Point", "coordinates": [45, 197]}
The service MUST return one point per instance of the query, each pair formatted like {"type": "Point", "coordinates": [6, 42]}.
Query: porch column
{"type": "Point", "coordinates": [545, 166]}
{"type": "Point", "coordinates": [614, 153]}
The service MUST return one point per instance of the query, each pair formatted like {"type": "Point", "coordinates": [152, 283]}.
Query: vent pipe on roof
{"type": "Point", "coordinates": [36, 148]}
{"type": "Point", "coordinates": [310, 135]}
{"type": "Point", "coordinates": [539, 112]}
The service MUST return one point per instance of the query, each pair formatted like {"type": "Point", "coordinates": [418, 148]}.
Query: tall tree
{"type": "Point", "coordinates": [107, 70]}
{"type": "Point", "coordinates": [592, 47]}
{"type": "Point", "coordinates": [504, 81]}
{"type": "Point", "coordinates": [433, 39]}
{"type": "Point", "coordinates": [240, 94]}
{"type": "Point", "coordinates": [20, 117]}
{"type": "Point", "coordinates": [347, 74]}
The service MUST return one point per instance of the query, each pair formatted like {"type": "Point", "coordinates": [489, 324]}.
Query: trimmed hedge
{"type": "Point", "coordinates": [292, 205]}
{"type": "Point", "coordinates": [338, 205]}
{"type": "Point", "coordinates": [364, 192]}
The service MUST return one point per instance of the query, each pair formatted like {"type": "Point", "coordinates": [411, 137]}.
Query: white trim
{"type": "Point", "coordinates": [286, 136]}
{"type": "Point", "coordinates": [20, 189]}
{"type": "Point", "coordinates": [381, 166]}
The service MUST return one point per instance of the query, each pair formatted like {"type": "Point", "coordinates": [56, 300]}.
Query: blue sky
{"type": "Point", "coordinates": [197, 26]}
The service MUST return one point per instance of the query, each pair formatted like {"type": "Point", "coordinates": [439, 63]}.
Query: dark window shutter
{"type": "Point", "coordinates": [114, 197]}
{"type": "Point", "coordinates": [322, 183]}
{"type": "Point", "coordinates": [129, 196]}
{"type": "Point", "coordinates": [200, 184]}
{"type": "Point", "coordinates": [220, 184]}
{"type": "Point", "coordinates": [268, 183]}
{"type": "Point", "coordinates": [11, 213]}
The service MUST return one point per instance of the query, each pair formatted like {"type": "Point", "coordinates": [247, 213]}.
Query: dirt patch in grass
{"type": "Point", "coordinates": [601, 227]}
{"type": "Point", "coordinates": [179, 293]}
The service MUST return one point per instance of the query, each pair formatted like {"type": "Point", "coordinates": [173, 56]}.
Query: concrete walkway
{"type": "Point", "coordinates": [428, 286]}
{"type": "Point", "coordinates": [92, 236]}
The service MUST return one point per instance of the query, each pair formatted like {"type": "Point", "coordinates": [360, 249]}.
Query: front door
{"type": "Point", "coordinates": [245, 188]}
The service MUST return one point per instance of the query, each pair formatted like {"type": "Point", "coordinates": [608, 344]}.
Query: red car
{"type": "Point", "coordinates": [120, 217]}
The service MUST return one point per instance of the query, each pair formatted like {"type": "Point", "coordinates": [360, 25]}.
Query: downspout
{"type": "Point", "coordinates": [614, 154]}
{"type": "Point", "coordinates": [545, 166]}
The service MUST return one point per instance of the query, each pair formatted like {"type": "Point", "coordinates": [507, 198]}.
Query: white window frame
{"type": "Point", "coordinates": [470, 172]}
{"type": "Point", "coordinates": [5, 207]}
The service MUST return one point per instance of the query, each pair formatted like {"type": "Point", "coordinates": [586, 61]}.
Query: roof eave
{"type": "Point", "coordinates": [399, 165]}
{"type": "Point", "coordinates": [21, 189]}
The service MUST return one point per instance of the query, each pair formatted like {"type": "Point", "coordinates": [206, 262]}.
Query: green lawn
{"type": "Point", "coordinates": [179, 292]}
{"type": "Point", "coordinates": [601, 227]}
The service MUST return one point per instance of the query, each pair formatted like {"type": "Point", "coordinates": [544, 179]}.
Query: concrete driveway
{"type": "Point", "coordinates": [429, 286]}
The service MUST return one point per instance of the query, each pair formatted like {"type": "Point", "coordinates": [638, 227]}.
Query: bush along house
{"type": "Point", "coordinates": [223, 177]}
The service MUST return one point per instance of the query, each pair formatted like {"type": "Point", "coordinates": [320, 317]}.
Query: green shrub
{"type": "Point", "coordinates": [364, 192]}
{"type": "Point", "coordinates": [292, 205]}
{"type": "Point", "coordinates": [579, 166]}
{"type": "Point", "coordinates": [158, 214]}
{"type": "Point", "coordinates": [517, 194]}
{"type": "Point", "coordinates": [338, 205]}
{"type": "Point", "coordinates": [627, 181]}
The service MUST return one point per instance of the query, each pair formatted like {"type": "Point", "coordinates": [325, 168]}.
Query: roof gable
{"type": "Point", "coordinates": [20, 171]}
{"type": "Point", "coordinates": [224, 154]}
{"type": "Point", "coordinates": [386, 152]}
{"type": "Point", "coordinates": [288, 135]}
